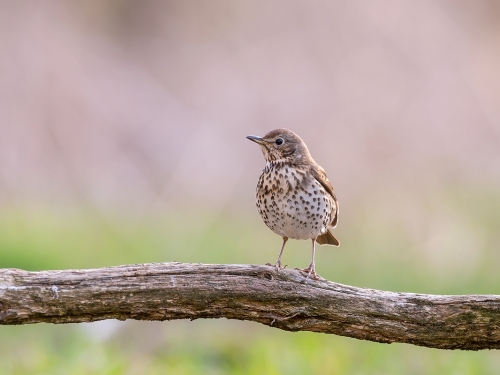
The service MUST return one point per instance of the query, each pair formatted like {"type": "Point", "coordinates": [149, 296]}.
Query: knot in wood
{"type": "Point", "coordinates": [265, 275]}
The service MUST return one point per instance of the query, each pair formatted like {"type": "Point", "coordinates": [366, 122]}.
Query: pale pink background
{"type": "Point", "coordinates": [142, 107]}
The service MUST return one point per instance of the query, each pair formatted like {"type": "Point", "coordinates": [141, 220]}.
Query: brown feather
{"type": "Point", "coordinates": [327, 239]}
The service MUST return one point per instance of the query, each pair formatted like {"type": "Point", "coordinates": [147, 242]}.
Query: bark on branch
{"type": "Point", "coordinates": [167, 291]}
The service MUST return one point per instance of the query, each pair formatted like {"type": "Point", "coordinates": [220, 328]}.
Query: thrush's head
{"type": "Point", "coordinates": [282, 145]}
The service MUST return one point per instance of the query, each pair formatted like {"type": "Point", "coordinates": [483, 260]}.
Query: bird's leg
{"type": "Point", "coordinates": [278, 262]}
{"type": "Point", "coordinates": [310, 270]}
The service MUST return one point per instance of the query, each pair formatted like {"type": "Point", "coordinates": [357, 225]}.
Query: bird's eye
{"type": "Point", "coordinates": [279, 141]}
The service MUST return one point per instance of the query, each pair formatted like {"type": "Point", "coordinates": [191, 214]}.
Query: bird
{"type": "Point", "coordinates": [294, 196]}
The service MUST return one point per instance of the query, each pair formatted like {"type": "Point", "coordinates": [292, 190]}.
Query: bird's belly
{"type": "Point", "coordinates": [302, 221]}
{"type": "Point", "coordinates": [291, 228]}
{"type": "Point", "coordinates": [297, 215]}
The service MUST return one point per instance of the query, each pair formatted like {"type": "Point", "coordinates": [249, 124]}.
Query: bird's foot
{"type": "Point", "coordinates": [277, 265]}
{"type": "Point", "coordinates": [310, 272]}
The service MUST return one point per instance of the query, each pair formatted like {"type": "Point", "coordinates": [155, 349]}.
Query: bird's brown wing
{"type": "Point", "coordinates": [320, 176]}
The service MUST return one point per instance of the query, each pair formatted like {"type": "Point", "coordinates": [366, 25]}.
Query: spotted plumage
{"type": "Point", "coordinates": [294, 196]}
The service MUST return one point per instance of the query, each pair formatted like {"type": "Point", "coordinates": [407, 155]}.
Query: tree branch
{"type": "Point", "coordinates": [167, 291]}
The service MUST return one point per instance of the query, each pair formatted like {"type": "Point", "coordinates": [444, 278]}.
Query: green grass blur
{"type": "Point", "coordinates": [392, 251]}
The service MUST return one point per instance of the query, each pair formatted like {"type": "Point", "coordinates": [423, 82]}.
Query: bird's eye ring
{"type": "Point", "coordinates": [279, 141]}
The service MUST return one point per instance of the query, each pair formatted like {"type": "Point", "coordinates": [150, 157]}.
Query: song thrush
{"type": "Point", "coordinates": [294, 196]}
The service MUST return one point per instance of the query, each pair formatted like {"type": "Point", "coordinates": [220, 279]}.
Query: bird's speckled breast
{"type": "Point", "coordinates": [292, 203]}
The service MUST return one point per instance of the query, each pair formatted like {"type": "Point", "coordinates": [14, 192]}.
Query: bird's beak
{"type": "Point", "coordinates": [256, 139]}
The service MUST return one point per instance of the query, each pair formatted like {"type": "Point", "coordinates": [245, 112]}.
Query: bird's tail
{"type": "Point", "coordinates": [327, 239]}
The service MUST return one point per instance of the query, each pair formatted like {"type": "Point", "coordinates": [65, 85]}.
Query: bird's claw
{"type": "Point", "coordinates": [277, 266]}
{"type": "Point", "coordinates": [310, 273]}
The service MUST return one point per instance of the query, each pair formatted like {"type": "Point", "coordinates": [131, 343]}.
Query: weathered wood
{"type": "Point", "coordinates": [166, 291]}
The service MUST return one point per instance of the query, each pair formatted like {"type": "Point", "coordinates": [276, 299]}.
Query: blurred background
{"type": "Point", "coordinates": [122, 140]}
